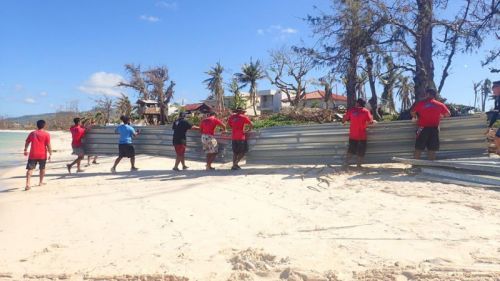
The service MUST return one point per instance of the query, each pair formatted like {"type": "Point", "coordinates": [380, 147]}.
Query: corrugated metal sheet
{"type": "Point", "coordinates": [308, 144]}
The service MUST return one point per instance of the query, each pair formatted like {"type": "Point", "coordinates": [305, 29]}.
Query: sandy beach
{"type": "Point", "coordinates": [260, 223]}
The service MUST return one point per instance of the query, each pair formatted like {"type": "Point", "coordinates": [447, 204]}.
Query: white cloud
{"type": "Point", "coordinates": [43, 94]}
{"type": "Point", "coordinates": [289, 30]}
{"type": "Point", "coordinates": [29, 100]}
{"type": "Point", "coordinates": [102, 83]}
{"type": "Point", "coordinates": [18, 87]}
{"type": "Point", "coordinates": [149, 18]}
{"type": "Point", "coordinates": [170, 5]}
{"type": "Point", "coordinates": [278, 31]}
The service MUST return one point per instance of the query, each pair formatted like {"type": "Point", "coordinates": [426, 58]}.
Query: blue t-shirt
{"type": "Point", "coordinates": [126, 132]}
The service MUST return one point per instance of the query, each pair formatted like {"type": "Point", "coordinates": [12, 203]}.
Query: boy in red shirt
{"type": "Point", "coordinates": [207, 129]}
{"type": "Point", "coordinates": [429, 112]}
{"type": "Point", "coordinates": [359, 117]}
{"type": "Point", "coordinates": [77, 133]}
{"type": "Point", "coordinates": [237, 122]}
{"type": "Point", "coordinates": [40, 144]}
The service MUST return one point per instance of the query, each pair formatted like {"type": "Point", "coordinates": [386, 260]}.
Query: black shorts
{"type": "Point", "coordinates": [239, 146]}
{"type": "Point", "coordinates": [31, 165]}
{"type": "Point", "coordinates": [357, 147]}
{"type": "Point", "coordinates": [427, 137]}
{"type": "Point", "coordinates": [126, 150]}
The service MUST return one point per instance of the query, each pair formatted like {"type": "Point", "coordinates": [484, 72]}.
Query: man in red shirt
{"type": "Point", "coordinates": [77, 133]}
{"type": "Point", "coordinates": [207, 129]}
{"type": "Point", "coordinates": [40, 144]}
{"type": "Point", "coordinates": [237, 122]}
{"type": "Point", "coordinates": [429, 112]}
{"type": "Point", "coordinates": [360, 118]}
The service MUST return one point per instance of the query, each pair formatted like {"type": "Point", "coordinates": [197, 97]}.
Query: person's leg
{"type": "Point", "coordinates": [417, 153]}
{"type": "Point", "coordinates": [78, 161]}
{"type": "Point", "coordinates": [431, 154]}
{"type": "Point", "coordinates": [88, 160]}
{"type": "Point", "coordinates": [95, 160]}
{"type": "Point", "coordinates": [42, 176]}
{"type": "Point", "coordinates": [113, 169]}
{"type": "Point", "coordinates": [183, 162]}
{"type": "Point", "coordinates": [132, 163]}
{"type": "Point", "coordinates": [70, 165]}
{"type": "Point", "coordinates": [497, 144]}
{"type": "Point", "coordinates": [29, 172]}
{"type": "Point", "coordinates": [210, 160]}
{"type": "Point", "coordinates": [177, 161]}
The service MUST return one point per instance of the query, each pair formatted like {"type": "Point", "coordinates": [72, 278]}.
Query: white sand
{"type": "Point", "coordinates": [254, 224]}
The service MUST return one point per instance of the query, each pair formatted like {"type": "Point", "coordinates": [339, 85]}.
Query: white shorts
{"type": "Point", "coordinates": [209, 144]}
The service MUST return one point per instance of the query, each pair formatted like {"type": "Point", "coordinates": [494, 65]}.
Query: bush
{"type": "Point", "coordinates": [276, 120]}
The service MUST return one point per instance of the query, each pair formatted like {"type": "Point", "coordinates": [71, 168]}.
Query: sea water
{"type": "Point", "coordinates": [11, 149]}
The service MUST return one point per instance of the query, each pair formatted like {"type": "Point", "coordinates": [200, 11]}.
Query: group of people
{"type": "Point", "coordinates": [427, 113]}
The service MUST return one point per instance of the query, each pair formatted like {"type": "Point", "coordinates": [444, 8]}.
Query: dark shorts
{"type": "Point", "coordinates": [180, 149]}
{"type": "Point", "coordinates": [498, 133]}
{"type": "Point", "coordinates": [357, 147]}
{"type": "Point", "coordinates": [126, 150]}
{"type": "Point", "coordinates": [31, 165]}
{"type": "Point", "coordinates": [239, 146]}
{"type": "Point", "coordinates": [427, 137]}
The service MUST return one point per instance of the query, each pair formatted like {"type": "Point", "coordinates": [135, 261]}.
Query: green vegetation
{"type": "Point", "coordinates": [276, 120]}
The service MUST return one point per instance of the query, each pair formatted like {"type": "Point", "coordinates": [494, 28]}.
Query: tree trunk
{"type": "Point", "coordinates": [424, 76]}
{"type": "Point", "coordinates": [371, 81]}
{"type": "Point", "coordinates": [253, 93]}
{"type": "Point", "coordinates": [352, 78]}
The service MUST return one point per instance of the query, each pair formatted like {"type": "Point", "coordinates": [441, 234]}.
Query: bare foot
{"type": "Point", "coordinates": [79, 170]}
{"type": "Point", "coordinates": [27, 188]}
{"type": "Point", "coordinates": [42, 184]}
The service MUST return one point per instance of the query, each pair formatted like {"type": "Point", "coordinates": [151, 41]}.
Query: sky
{"type": "Point", "coordinates": [58, 51]}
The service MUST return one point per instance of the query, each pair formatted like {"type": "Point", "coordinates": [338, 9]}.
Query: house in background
{"type": "Point", "coordinates": [197, 107]}
{"type": "Point", "coordinates": [269, 101]}
{"type": "Point", "coordinates": [317, 99]}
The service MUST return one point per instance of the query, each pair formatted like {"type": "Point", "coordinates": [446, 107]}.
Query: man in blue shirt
{"type": "Point", "coordinates": [125, 147]}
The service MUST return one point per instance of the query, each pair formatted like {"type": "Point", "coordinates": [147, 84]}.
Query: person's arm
{"type": "Point", "coordinates": [370, 120]}
{"type": "Point", "coordinates": [27, 144]}
{"type": "Point", "coordinates": [493, 119]}
{"type": "Point", "coordinates": [134, 132]}
{"type": "Point", "coordinates": [250, 124]}
{"type": "Point", "coordinates": [446, 111]}
{"type": "Point", "coordinates": [49, 147]}
{"type": "Point", "coordinates": [346, 117]}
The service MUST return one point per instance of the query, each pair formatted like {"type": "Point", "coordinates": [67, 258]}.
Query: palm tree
{"type": "Point", "coordinates": [214, 84]}
{"type": "Point", "coordinates": [124, 105]}
{"type": "Point", "coordinates": [405, 92]}
{"type": "Point", "coordinates": [250, 74]}
{"type": "Point", "coordinates": [238, 100]}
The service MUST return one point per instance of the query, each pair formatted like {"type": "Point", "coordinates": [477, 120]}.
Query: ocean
{"type": "Point", "coordinates": [11, 148]}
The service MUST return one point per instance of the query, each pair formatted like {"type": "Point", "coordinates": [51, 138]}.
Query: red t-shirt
{"type": "Point", "coordinates": [237, 122]}
{"type": "Point", "coordinates": [207, 125]}
{"type": "Point", "coordinates": [77, 132]}
{"type": "Point", "coordinates": [39, 140]}
{"type": "Point", "coordinates": [429, 112]}
{"type": "Point", "coordinates": [359, 117]}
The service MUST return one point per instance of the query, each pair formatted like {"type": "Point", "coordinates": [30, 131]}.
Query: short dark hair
{"type": "Point", "coordinates": [431, 91]}
{"type": "Point", "coordinates": [125, 119]}
{"type": "Point", "coordinates": [40, 124]}
{"type": "Point", "coordinates": [211, 113]}
{"type": "Point", "coordinates": [496, 84]}
{"type": "Point", "coordinates": [361, 102]}
{"type": "Point", "coordinates": [76, 120]}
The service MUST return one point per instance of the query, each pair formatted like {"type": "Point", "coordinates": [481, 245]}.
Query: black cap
{"type": "Point", "coordinates": [361, 102]}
